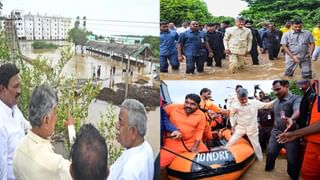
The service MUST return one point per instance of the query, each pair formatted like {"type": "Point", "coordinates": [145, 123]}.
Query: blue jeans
{"type": "Point", "coordinates": [173, 59]}
{"type": "Point", "coordinates": [195, 60]}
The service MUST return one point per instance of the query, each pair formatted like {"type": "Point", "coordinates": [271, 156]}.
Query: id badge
{"type": "Point", "coordinates": [202, 40]}
{"type": "Point", "coordinates": [269, 117]}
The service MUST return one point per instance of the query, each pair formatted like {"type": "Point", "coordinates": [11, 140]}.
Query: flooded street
{"type": "Point", "coordinates": [256, 171]}
{"type": "Point", "coordinates": [82, 67]}
{"type": "Point", "coordinates": [267, 70]}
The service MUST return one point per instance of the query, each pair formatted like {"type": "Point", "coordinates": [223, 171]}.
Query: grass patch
{"type": "Point", "coordinates": [43, 45]}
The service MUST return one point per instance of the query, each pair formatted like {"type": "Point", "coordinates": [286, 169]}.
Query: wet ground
{"type": "Point", "coordinates": [267, 70]}
{"type": "Point", "coordinates": [256, 171]}
{"type": "Point", "coordinates": [147, 95]}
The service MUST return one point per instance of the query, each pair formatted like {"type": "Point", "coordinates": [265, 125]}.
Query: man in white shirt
{"type": "Point", "coordinates": [237, 43]}
{"type": "Point", "coordinates": [34, 157]}
{"type": "Point", "coordinates": [12, 123]}
{"type": "Point", "coordinates": [246, 122]}
{"type": "Point", "coordinates": [136, 162]}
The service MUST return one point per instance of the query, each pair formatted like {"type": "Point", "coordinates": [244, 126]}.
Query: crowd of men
{"type": "Point", "coordinates": [270, 125]}
{"type": "Point", "coordinates": [26, 151]}
{"type": "Point", "coordinates": [198, 45]}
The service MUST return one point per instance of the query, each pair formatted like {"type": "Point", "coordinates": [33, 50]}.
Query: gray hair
{"type": "Point", "coordinates": [43, 100]}
{"type": "Point", "coordinates": [137, 116]}
{"type": "Point", "coordinates": [242, 92]}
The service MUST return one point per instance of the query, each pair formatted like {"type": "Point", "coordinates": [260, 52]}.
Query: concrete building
{"type": "Point", "coordinates": [38, 27]}
{"type": "Point", "coordinates": [124, 39]}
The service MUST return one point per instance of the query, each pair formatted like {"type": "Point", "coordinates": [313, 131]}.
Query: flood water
{"type": "Point", "coordinates": [81, 67]}
{"type": "Point", "coordinates": [267, 70]}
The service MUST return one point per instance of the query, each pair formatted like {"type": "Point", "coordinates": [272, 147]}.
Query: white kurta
{"type": "Point", "coordinates": [134, 164]}
{"type": "Point", "coordinates": [12, 131]}
{"type": "Point", "coordinates": [246, 123]}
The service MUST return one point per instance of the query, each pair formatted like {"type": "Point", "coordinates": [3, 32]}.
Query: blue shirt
{"type": "Point", "coordinates": [193, 43]}
{"type": "Point", "coordinates": [168, 42]}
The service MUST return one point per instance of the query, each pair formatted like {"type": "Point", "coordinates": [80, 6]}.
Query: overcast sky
{"type": "Point", "coordinates": [123, 10]}
{"type": "Point", "coordinates": [220, 88]}
{"type": "Point", "coordinates": [226, 7]}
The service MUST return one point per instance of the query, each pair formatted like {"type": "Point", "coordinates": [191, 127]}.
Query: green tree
{"type": "Point", "coordinates": [154, 42]}
{"type": "Point", "coordinates": [220, 19]}
{"type": "Point", "coordinates": [177, 11]}
{"type": "Point", "coordinates": [279, 11]}
{"type": "Point", "coordinates": [4, 49]}
{"type": "Point", "coordinates": [77, 23]}
{"type": "Point", "coordinates": [84, 22]}
{"type": "Point", "coordinates": [78, 37]}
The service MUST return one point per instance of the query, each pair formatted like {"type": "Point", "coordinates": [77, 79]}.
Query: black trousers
{"type": "Point", "coordinates": [217, 59]}
{"type": "Point", "coordinates": [293, 152]}
{"type": "Point", "coordinates": [273, 52]}
{"type": "Point", "coordinates": [254, 55]}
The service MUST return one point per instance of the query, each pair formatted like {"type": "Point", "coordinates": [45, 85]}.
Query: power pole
{"type": "Point", "coordinates": [127, 78]}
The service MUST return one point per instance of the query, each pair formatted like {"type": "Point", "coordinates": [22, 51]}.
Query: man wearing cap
{"type": "Point", "coordinates": [215, 40]}
{"type": "Point", "coordinates": [237, 43]}
{"type": "Point", "coordinates": [256, 40]}
{"type": "Point", "coordinates": [193, 44]}
{"type": "Point", "coordinates": [168, 50]}
{"type": "Point", "coordinates": [311, 133]}
{"type": "Point", "coordinates": [298, 45]}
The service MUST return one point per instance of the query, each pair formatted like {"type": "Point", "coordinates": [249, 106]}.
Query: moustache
{"type": "Point", "coordinates": [18, 95]}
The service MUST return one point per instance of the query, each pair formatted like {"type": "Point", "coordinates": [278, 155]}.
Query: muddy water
{"type": "Point", "coordinates": [267, 70]}
{"type": "Point", "coordinates": [82, 66]}
{"type": "Point", "coordinates": [256, 171]}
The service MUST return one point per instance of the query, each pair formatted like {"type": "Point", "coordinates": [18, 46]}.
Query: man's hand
{"type": "Point", "coordinates": [69, 121]}
{"type": "Point", "coordinates": [285, 137]}
{"type": "Point", "coordinates": [227, 51]}
{"type": "Point", "coordinates": [210, 54]}
{"type": "Point", "coordinates": [233, 130]}
{"type": "Point", "coordinates": [194, 149]}
{"type": "Point", "coordinates": [289, 123]}
{"type": "Point", "coordinates": [296, 59]}
{"type": "Point", "coordinates": [180, 58]}
{"type": "Point", "coordinates": [175, 134]}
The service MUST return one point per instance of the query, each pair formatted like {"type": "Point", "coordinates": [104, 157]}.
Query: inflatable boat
{"type": "Point", "coordinates": [218, 163]}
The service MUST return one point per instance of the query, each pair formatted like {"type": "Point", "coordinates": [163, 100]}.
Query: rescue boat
{"type": "Point", "coordinates": [218, 163]}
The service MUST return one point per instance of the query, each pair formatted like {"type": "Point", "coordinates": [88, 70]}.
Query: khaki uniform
{"type": "Point", "coordinates": [238, 41]}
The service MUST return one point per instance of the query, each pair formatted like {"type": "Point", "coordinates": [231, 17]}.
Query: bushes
{"type": "Point", "coordinates": [43, 45]}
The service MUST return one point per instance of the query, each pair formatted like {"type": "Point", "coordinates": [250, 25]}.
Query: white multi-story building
{"type": "Point", "coordinates": [46, 23]}
{"type": "Point", "coordinates": [28, 24]}
{"type": "Point", "coordinates": [37, 27]}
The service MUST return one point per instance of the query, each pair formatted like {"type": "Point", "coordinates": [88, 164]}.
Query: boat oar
{"type": "Point", "coordinates": [208, 168]}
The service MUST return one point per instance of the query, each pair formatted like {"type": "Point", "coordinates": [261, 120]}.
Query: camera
{"type": "Point", "coordinates": [256, 87]}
